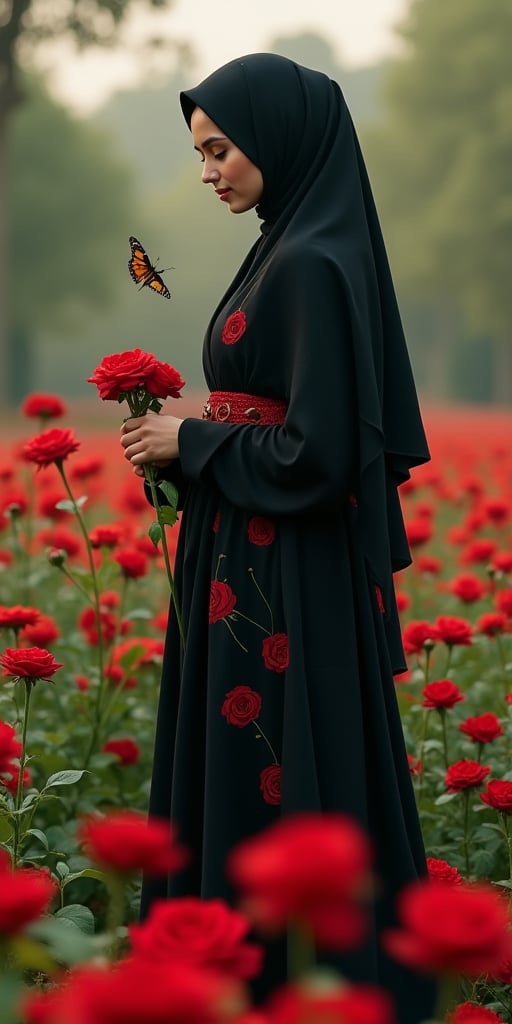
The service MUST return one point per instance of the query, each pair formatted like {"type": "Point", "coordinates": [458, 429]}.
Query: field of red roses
{"type": "Point", "coordinates": [83, 604]}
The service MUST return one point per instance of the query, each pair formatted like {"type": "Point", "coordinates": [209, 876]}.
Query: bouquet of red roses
{"type": "Point", "coordinates": [141, 380]}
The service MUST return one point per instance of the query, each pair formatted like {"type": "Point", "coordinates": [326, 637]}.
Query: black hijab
{"type": "Point", "coordinates": [293, 123]}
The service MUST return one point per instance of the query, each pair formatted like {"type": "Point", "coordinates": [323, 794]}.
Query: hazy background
{"type": "Point", "coordinates": [93, 148]}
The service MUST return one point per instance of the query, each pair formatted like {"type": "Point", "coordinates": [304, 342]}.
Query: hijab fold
{"type": "Point", "coordinates": [294, 125]}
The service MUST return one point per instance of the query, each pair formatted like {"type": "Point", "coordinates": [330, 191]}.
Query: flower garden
{"type": "Point", "coordinates": [84, 591]}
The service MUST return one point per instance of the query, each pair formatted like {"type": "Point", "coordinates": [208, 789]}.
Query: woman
{"type": "Point", "coordinates": [283, 699]}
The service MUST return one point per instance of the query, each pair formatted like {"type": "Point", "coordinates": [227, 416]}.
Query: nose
{"type": "Point", "coordinates": [210, 174]}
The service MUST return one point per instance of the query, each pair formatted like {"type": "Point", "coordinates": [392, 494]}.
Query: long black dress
{"type": "Point", "coordinates": [283, 699]}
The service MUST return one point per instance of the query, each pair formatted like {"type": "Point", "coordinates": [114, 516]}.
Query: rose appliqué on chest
{"type": "Point", "coordinates": [234, 328]}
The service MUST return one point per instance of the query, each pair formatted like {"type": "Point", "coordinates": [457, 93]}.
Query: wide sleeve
{"type": "Point", "coordinates": [310, 461]}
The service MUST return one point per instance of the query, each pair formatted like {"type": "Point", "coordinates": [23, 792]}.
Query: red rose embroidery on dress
{"type": "Point", "coordinates": [216, 523]}
{"type": "Point", "coordinates": [234, 328]}
{"type": "Point", "coordinates": [275, 652]}
{"type": "Point", "coordinates": [241, 706]}
{"type": "Point", "coordinates": [270, 784]}
{"type": "Point", "coordinates": [261, 531]}
{"type": "Point", "coordinates": [222, 601]}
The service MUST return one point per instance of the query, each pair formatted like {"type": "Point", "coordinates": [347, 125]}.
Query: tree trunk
{"type": "Point", "coordinates": [502, 370]}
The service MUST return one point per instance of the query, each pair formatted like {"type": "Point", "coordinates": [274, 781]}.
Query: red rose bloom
{"type": "Point", "coordinates": [418, 531]}
{"type": "Point", "coordinates": [502, 561]}
{"type": "Point", "coordinates": [465, 775]}
{"type": "Point", "coordinates": [133, 563]}
{"type": "Point", "coordinates": [127, 751]}
{"type": "Point", "coordinates": [206, 932]}
{"type": "Point", "coordinates": [82, 469]}
{"type": "Point", "coordinates": [10, 778]}
{"type": "Point", "coordinates": [469, 1013]}
{"type": "Point", "coordinates": [234, 328]}
{"type": "Point", "coordinates": [450, 929]}
{"type": "Point", "coordinates": [24, 895]}
{"type": "Point", "coordinates": [453, 631]}
{"type": "Point", "coordinates": [222, 601]}
{"type": "Point", "coordinates": [429, 564]}
{"type": "Point", "coordinates": [16, 617]}
{"type": "Point", "coordinates": [29, 663]}
{"type": "Point", "coordinates": [441, 694]}
{"type": "Point", "coordinates": [60, 538]}
{"type": "Point", "coordinates": [276, 654]}
{"type": "Point", "coordinates": [482, 728]}
{"type": "Point", "coordinates": [491, 624]}
{"type": "Point", "coordinates": [415, 765]}
{"type": "Point", "coordinates": [307, 868]}
{"type": "Point", "coordinates": [349, 1004]}
{"type": "Point", "coordinates": [498, 795]}
{"type": "Point", "coordinates": [261, 531]}
{"type": "Point", "coordinates": [125, 842]}
{"type": "Point", "coordinates": [43, 407]}
{"type": "Point", "coordinates": [270, 784]}
{"type": "Point", "coordinates": [478, 551]}
{"type": "Point", "coordinates": [47, 505]}
{"type": "Point", "coordinates": [241, 706]}
{"type": "Point", "coordinates": [10, 747]}
{"type": "Point", "coordinates": [136, 991]}
{"type": "Point", "coordinates": [124, 371]}
{"type": "Point", "coordinates": [107, 536]}
{"type": "Point", "coordinates": [504, 602]}
{"type": "Point", "coordinates": [497, 510]}
{"type": "Point", "coordinates": [164, 381]}
{"type": "Point", "coordinates": [441, 871]}
{"type": "Point", "coordinates": [51, 446]}
{"type": "Point", "coordinates": [44, 632]}
{"type": "Point", "coordinates": [468, 588]}
{"type": "Point", "coordinates": [416, 634]}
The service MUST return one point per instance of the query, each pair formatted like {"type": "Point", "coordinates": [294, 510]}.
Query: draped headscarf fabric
{"type": "Point", "coordinates": [294, 125]}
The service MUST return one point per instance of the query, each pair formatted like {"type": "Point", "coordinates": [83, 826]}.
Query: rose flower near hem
{"type": "Point", "coordinates": [125, 842]}
{"type": "Point", "coordinates": [206, 932]}
{"type": "Point", "coordinates": [450, 929]}
{"type": "Point", "coordinates": [308, 870]}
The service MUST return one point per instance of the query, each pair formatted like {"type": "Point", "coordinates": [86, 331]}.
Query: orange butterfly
{"type": "Point", "coordinates": [143, 272]}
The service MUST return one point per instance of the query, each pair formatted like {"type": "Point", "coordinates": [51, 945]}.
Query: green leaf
{"type": "Point", "coordinates": [64, 940]}
{"type": "Point", "coordinates": [62, 869]}
{"type": "Point", "coordinates": [36, 832]}
{"type": "Point", "coordinates": [167, 515]}
{"type": "Point", "coordinates": [170, 492]}
{"type": "Point", "coordinates": [506, 883]}
{"type": "Point", "coordinates": [66, 778]}
{"type": "Point", "coordinates": [155, 533]}
{"type": "Point", "coordinates": [86, 873]}
{"type": "Point", "coordinates": [155, 405]}
{"type": "Point", "coordinates": [80, 916]}
{"type": "Point", "coordinates": [445, 798]}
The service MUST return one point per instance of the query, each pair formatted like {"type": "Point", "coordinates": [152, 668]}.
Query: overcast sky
{"type": "Point", "coordinates": [360, 31]}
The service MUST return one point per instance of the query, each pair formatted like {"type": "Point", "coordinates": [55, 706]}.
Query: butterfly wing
{"type": "Point", "coordinates": [142, 270]}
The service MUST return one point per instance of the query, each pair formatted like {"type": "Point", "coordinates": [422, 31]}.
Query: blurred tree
{"type": "Point", "coordinates": [71, 202]}
{"type": "Point", "coordinates": [441, 160]}
{"type": "Point", "coordinates": [24, 25]}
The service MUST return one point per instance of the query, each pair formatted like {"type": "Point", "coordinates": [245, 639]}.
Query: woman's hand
{"type": "Point", "coordinates": [150, 438]}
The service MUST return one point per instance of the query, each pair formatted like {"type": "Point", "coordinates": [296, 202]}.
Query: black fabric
{"type": "Point", "coordinates": [299, 522]}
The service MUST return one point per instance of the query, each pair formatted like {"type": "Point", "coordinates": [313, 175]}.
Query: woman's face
{"type": "Point", "coordinates": [236, 180]}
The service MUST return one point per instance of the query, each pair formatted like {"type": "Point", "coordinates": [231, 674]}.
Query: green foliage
{"type": "Point", "coordinates": [70, 203]}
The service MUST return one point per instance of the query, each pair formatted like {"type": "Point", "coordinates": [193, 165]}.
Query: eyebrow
{"type": "Point", "coordinates": [210, 140]}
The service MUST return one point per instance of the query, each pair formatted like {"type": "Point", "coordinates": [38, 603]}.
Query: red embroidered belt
{"type": "Point", "coordinates": [237, 407]}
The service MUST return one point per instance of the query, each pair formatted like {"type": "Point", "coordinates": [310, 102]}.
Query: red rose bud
{"type": "Point", "coordinates": [309, 869]}
{"type": "Point", "coordinates": [125, 842]}
{"type": "Point", "coordinates": [450, 929]}
{"type": "Point", "coordinates": [498, 795]}
{"type": "Point", "coordinates": [121, 372]}
{"type": "Point", "coordinates": [30, 663]}
{"type": "Point", "coordinates": [205, 932]}
{"type": "Point", "coordinates": [133, 563]}
{"type": "Point", "coordinates": [465, 775]}
{"type": "Point", "coordinates": [441, 694]}
{"type": "Point", "coordinates": [51, 446]}
{"type": "Point", "coordinates": [482, 728]}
